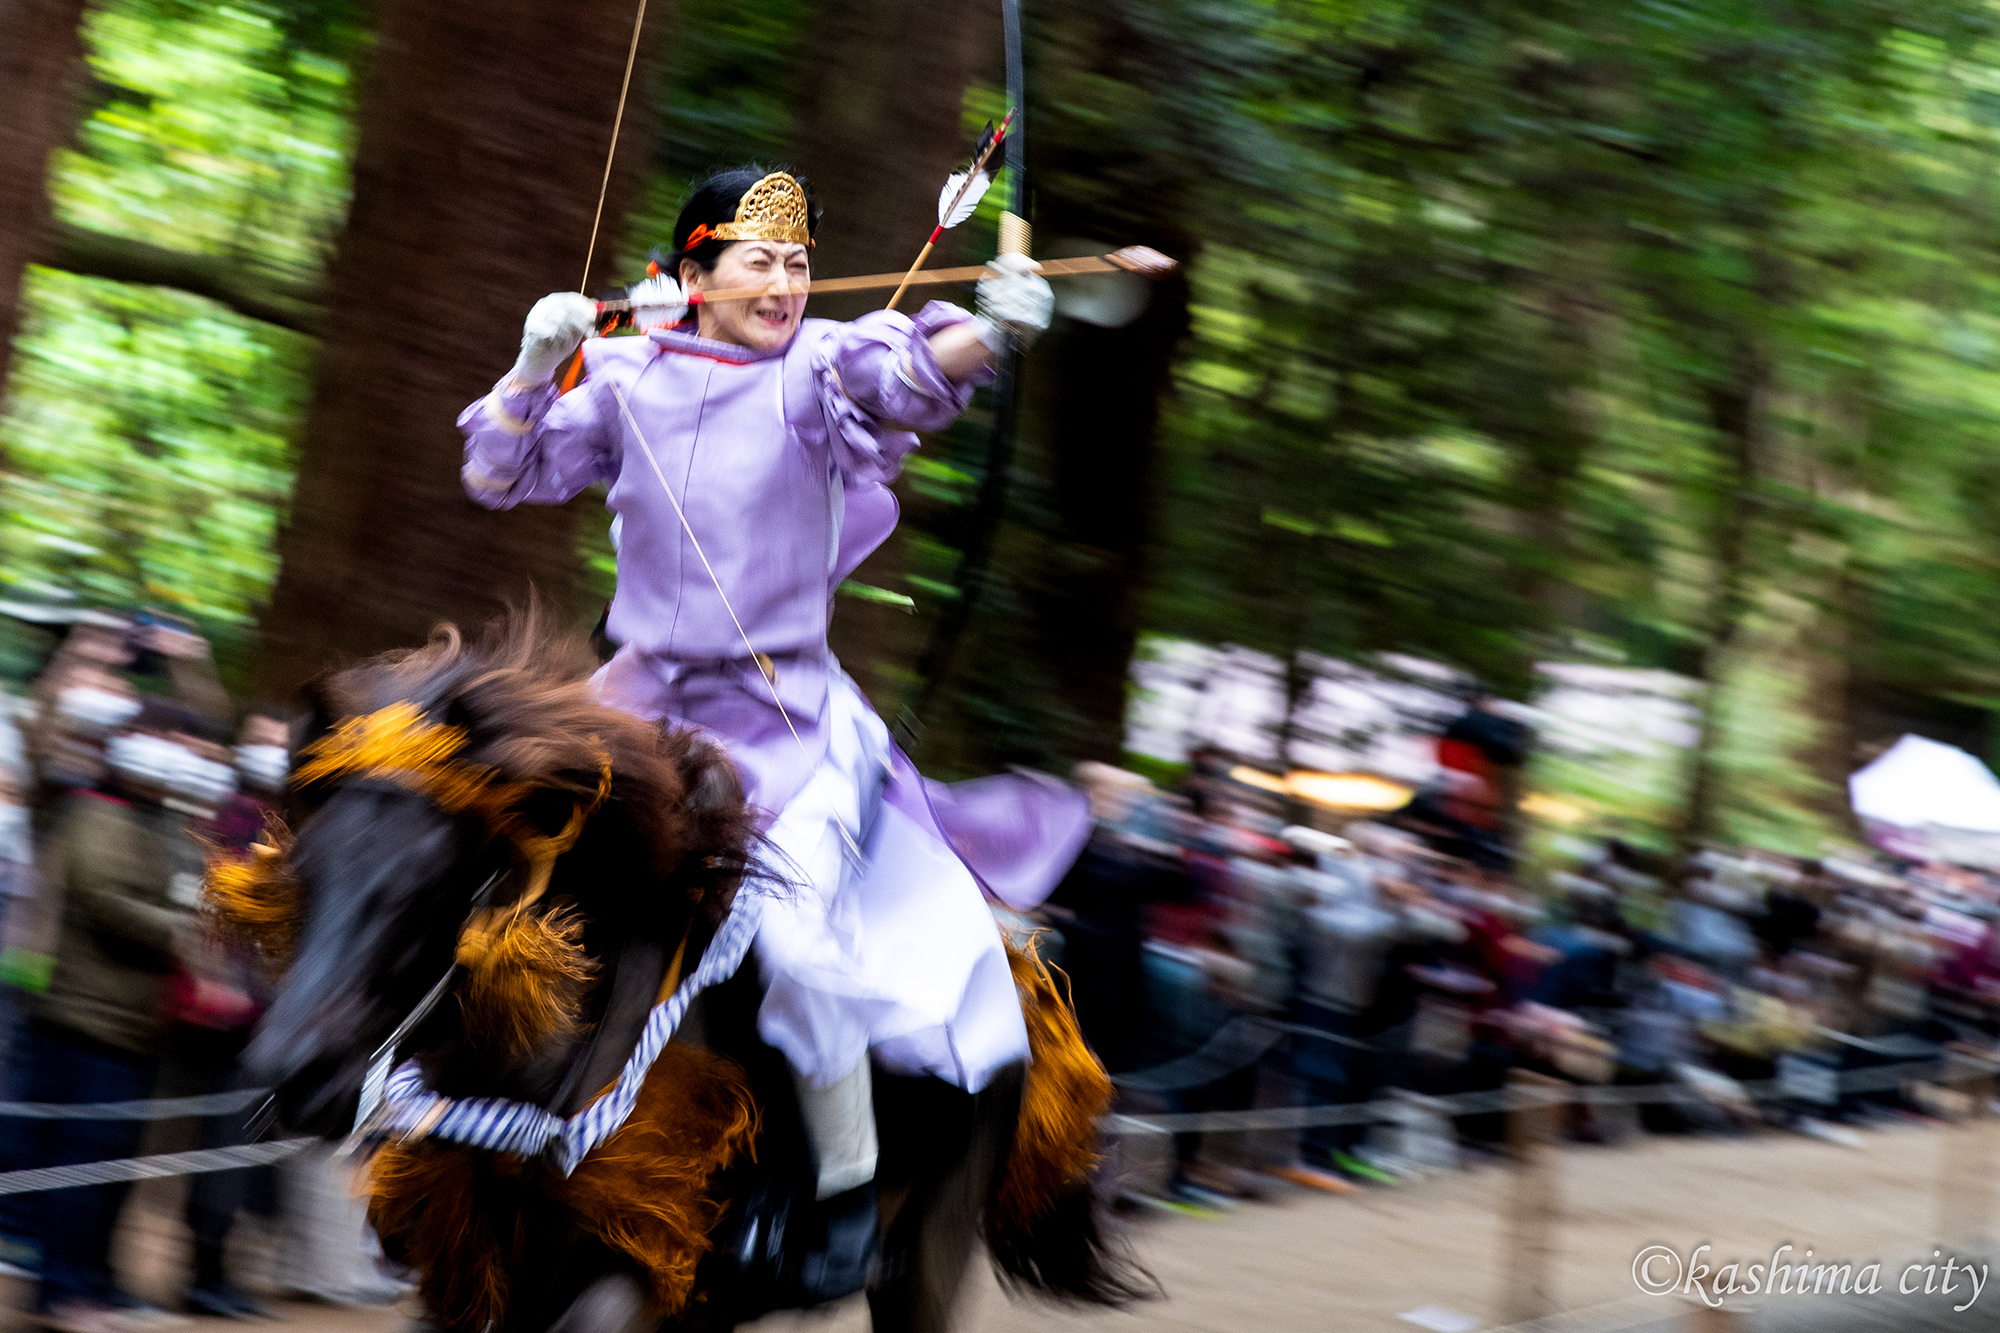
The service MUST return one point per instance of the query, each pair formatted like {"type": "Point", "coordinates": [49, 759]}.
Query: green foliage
{"type": "Point", "coordinates": [1650, 330]}
{"type": "Point", "coordinates": [148, 451]}
{"type": "Point", "coordinates": [147, 439]}
{"type": "Point", "coordinates": [217, 129]}
{"type": "Point", "coordinates": [725, 97]}
{"type": "Point", "coordinates": [1658, 333]}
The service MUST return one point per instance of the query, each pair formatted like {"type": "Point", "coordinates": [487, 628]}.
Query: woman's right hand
{"type": "Point", "coordinates": [555, 328]}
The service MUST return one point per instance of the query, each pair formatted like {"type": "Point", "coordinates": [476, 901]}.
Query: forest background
{"type": "Point", "coordinates": [1660, 334]}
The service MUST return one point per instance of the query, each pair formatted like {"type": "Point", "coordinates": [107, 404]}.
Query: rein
{"type": "Point", "coordinates": [411, 1111]}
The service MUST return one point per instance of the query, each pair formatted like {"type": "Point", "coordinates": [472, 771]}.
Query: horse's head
{"type": "Point", "coordinates": [433, 785]}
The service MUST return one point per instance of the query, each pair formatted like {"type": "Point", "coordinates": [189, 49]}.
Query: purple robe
{"type": "Point", "coordinates": [780, 461]}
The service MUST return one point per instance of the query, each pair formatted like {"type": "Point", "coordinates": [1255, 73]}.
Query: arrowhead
{"type": "Point", "coordinates": [1143, 260]}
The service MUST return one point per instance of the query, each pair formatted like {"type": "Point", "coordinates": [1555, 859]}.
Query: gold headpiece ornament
{"type": "Point", "coordinates": [774, 209]}
{"type": "Point", "coordinates": [400, 745]}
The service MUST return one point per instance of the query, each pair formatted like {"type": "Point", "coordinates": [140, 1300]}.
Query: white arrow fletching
{"type": "Point", "coordinates": [950, 217]}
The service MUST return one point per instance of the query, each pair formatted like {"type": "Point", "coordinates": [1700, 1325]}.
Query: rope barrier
{"type": "Point", "coordinates": [1879, 1079]}
{"type": "Point", "coordinates": [1238, 1037]}
{"type": "Point", "coordinates": [163, 1108]}
{"type": "Point", "coordinates": [193, 1163]}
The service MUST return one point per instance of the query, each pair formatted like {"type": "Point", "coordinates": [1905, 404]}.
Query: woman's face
{"type": "Point", "coordinates": [760, 322]}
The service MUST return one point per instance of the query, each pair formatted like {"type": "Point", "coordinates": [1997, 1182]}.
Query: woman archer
{"type": "Point", "coordinates": [748, 452]}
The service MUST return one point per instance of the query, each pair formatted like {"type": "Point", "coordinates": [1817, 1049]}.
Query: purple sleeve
{"type": "Point", "coordinates": [535, 448]}
{"type": "Point", "coordinates": [1018, 833]}
{"type": "Point", "coordinates": [878, 382]}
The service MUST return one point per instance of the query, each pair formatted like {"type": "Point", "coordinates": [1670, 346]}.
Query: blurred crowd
{"type": "Point", "coordinates": [1230, 949]}
{"type": "Point", "coordinates": [121, 765]}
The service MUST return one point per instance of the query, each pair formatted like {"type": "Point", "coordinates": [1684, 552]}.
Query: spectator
{"type": "Point", "coordinates": [132, 872]}
{"type": "Point", "coordinates": [86, 701]}
{"type": "Point", "coordinates": [218, 999]}
{"type": "Point", "coordinates": [17, 865]}
{"type": "Point", "coordinates": [261, 762]}
{"type": "Point", "coordinates": [1354, 931]}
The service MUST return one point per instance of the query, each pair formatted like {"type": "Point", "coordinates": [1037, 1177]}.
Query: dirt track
{"type": "Point", "coordinates": [1302, 1262]}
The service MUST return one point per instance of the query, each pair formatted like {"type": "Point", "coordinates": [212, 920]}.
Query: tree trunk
{"type": "Point", "coordinates": [1735, 417]}
{"type": "Point", "coordinates": [481, 145]}
{"type": "Point", "coordinates": [1101, 424]}
{"type": "Point", "coordinates": [41, 56]}
{"type": "Point", "coordinates": [1539, 407]}
{"type": "Point", "coordinates": [1041, 674]}
{"type": "Point", "coordinates": [879, 131]}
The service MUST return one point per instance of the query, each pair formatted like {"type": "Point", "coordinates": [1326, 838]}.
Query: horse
{"type": "Point", "coordinates": [484, 870]}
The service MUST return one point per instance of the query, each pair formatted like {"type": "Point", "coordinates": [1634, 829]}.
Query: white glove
{"type": "Point", "coordinates": [555, 328]}
{"type": "Point", "coordinates": [657, 303]}
{"type": "Point", "coordinates": [1015, 301]}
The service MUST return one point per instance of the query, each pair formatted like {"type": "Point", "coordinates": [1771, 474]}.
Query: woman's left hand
{"type": "Point", "coordinates": [1015, 299]}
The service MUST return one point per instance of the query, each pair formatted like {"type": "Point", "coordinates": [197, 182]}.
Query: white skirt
{"type": "Point", "coordinates": [893, 951]}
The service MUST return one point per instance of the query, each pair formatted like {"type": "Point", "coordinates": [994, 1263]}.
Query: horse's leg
{"type": "Point", "coordinates": [941, 1149]}
{"type": "Point", "coordinates": [568, 1281]}
{"type": "Point", "coordinates": [614, 1303]}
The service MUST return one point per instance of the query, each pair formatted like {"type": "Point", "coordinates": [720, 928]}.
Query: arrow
{"type": "Point", "coordinates": [953, 207]}
{"type": "Point", "coordinates": [1138, 259]}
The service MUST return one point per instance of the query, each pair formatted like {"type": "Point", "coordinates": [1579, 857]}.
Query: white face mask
{"type": "Point", "coordinates": [263, 766]}
{"type": "Point", "coordinates": [174, 768]}
{"type": "Point", "coordinates": [94, 712]}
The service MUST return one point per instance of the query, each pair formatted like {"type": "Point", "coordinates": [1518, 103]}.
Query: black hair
{"type": "Point", "coordinates": [713, 203]}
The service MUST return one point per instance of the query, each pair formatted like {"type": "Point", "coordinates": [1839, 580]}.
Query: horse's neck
{"type": "Point", "coordinates": [627, 987]}
{"type": "Point", "coordinates": [562, 1073]}
{"type": "Point", "coordinates": [460, 1066]}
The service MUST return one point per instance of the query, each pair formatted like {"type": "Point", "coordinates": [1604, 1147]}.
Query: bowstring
{"type": "Point", "coordinates": [757, 659]}
{"type": "Point", "coordinates": [617, 124]}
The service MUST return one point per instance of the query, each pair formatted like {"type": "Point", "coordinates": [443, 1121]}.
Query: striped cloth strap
{"type": "Point", "coordinates": [495, 1123]}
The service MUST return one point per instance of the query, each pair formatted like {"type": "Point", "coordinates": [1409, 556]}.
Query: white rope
{"type": "Point", "coordinates": [1877, 1079]}
{"type": "Point", "coordinates": [163, 1108]}
{"type": "Point", "coordinates": [149, 1168]}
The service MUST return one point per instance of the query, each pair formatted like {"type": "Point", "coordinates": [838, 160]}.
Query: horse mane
{"type": "Point", "coordinates": [521, 693]}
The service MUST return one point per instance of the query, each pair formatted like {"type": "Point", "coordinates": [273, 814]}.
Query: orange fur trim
{"type": "Point", "coordinates": [252, 899]}
{"type": "Point", "coordinates": [525, 977]}
{"type": "Point", "coordinates": [645, 1191]}
{"type": "Point", "coordinates": [457, 1214]}
{"type": "Point", "coordinates": [1055, 1140]}
{"type": "Point", "coordinates": [396, 743]}
{"type": "Point", "coordinates": [444, 1210]}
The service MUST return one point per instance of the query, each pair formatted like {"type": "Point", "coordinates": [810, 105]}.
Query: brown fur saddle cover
{"type": "Point", "coordinates": [461, 1216]}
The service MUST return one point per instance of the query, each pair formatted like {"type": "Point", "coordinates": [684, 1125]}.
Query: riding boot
{"type": "Point", "coordinates": [840, 1125]}
{"type": "Point", "coordinates": [842, 1263]}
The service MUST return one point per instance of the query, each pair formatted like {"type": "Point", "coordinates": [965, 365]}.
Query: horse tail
{"type": "Point", "coordinates": [1044, 1226]}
